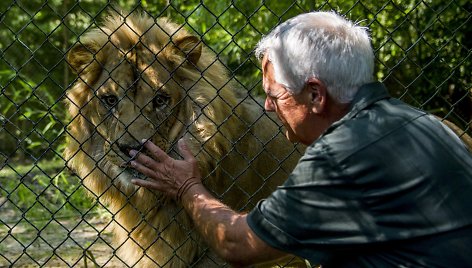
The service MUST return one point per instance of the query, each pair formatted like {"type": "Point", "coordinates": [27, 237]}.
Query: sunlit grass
{"type": "Point", "coordinates": [40, 191]}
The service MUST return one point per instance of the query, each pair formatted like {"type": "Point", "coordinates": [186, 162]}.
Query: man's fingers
{"type": "Point", "coordinates": [184, 150]}
{"type": "Point", "coordinates": [148, 184]}
{"type": "Point", "coordinates": [142, 158]}
{"type": "Point", "coordinates": [156, 152]}
{"type": "Point", "coordinates": [147, 170]}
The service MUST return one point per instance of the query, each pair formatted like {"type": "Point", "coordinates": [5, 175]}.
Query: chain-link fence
{"type": "Point", "coordinates": [65, 65]}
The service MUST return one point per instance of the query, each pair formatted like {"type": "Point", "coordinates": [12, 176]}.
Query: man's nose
{"type": "Point", "coordinates": [269, 105]}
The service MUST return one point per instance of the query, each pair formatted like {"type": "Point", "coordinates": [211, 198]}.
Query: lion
{"type": "Point", "coordinates": [145, 79]}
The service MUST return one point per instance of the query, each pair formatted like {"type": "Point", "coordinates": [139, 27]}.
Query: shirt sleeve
{"type": "Point", "coordinates": [317, 209]}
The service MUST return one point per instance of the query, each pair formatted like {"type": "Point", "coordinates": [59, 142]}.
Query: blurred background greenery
{"type": "Point", "coordinates": [422, 48]}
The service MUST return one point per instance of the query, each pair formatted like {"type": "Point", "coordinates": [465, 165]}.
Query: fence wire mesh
{"type": "Point", "coordinates": [52, 217]}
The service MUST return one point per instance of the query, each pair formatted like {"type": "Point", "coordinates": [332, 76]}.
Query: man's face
{"type": "Point", "coordinates": [293, 110]}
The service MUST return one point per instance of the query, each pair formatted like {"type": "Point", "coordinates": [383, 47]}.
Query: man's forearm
{"type": "Point", "coordinates": [223, 228]}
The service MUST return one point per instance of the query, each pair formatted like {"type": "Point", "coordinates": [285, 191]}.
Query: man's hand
{"type": "Point", "coordinates": [171, 176]}
{"type": "Point", "coordinates": [225, 230]}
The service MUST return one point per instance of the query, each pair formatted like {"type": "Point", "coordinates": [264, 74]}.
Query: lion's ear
{"type": "Point", "coordinates": [81, 56]}
{"type": "Point", "coordinates": [190, 46]}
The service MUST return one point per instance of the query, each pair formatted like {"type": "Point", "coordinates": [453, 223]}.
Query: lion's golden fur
{"type": "Point", "coordinates": [167, 86]}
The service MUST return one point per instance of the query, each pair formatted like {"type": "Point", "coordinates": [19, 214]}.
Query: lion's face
{"type": "Point", "coordinates": [127, 91]}
{"type": "Point", "coordinates": [132, 104]}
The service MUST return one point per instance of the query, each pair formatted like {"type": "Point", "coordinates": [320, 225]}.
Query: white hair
{"type": "Point", "coordinates": [323, 45]}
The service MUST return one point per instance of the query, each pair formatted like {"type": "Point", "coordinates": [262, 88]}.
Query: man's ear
{"type": "Point", "coordinates": [317, 94]}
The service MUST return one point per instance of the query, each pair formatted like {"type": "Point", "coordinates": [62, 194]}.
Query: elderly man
{"type": "Point", "coordinates": [381, 184]}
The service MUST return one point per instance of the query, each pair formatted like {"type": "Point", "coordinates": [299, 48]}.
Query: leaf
{"type": "Point", "coordinates": [48, 127]}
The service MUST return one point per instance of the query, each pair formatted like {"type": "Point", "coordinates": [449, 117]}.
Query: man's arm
{"type": "Point", "coordinates": [225, 230]}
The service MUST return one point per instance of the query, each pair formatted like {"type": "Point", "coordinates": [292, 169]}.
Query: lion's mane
{"type": "Point", "coordinates": [140, 78]}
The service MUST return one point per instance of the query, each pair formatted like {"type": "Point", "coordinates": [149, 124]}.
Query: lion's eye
{"type": "Point", "coordinates": [110, 100]}
{"type": "Point", "coordinates": [161, 100]}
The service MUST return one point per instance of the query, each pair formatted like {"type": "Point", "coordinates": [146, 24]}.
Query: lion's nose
{"type": "Point", "coordinates": [125, 148]}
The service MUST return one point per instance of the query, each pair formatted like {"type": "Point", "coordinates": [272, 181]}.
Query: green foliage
{"type": "Point", "coordinates": [41, 191]}
{"type": "Point", "coordinates": [28, 114]}
{"type": "Point", "coordinates": [422, 52]}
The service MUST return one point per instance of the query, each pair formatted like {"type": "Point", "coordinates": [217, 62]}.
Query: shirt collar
{"type": "Point", "coordinates": [365, 96]}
